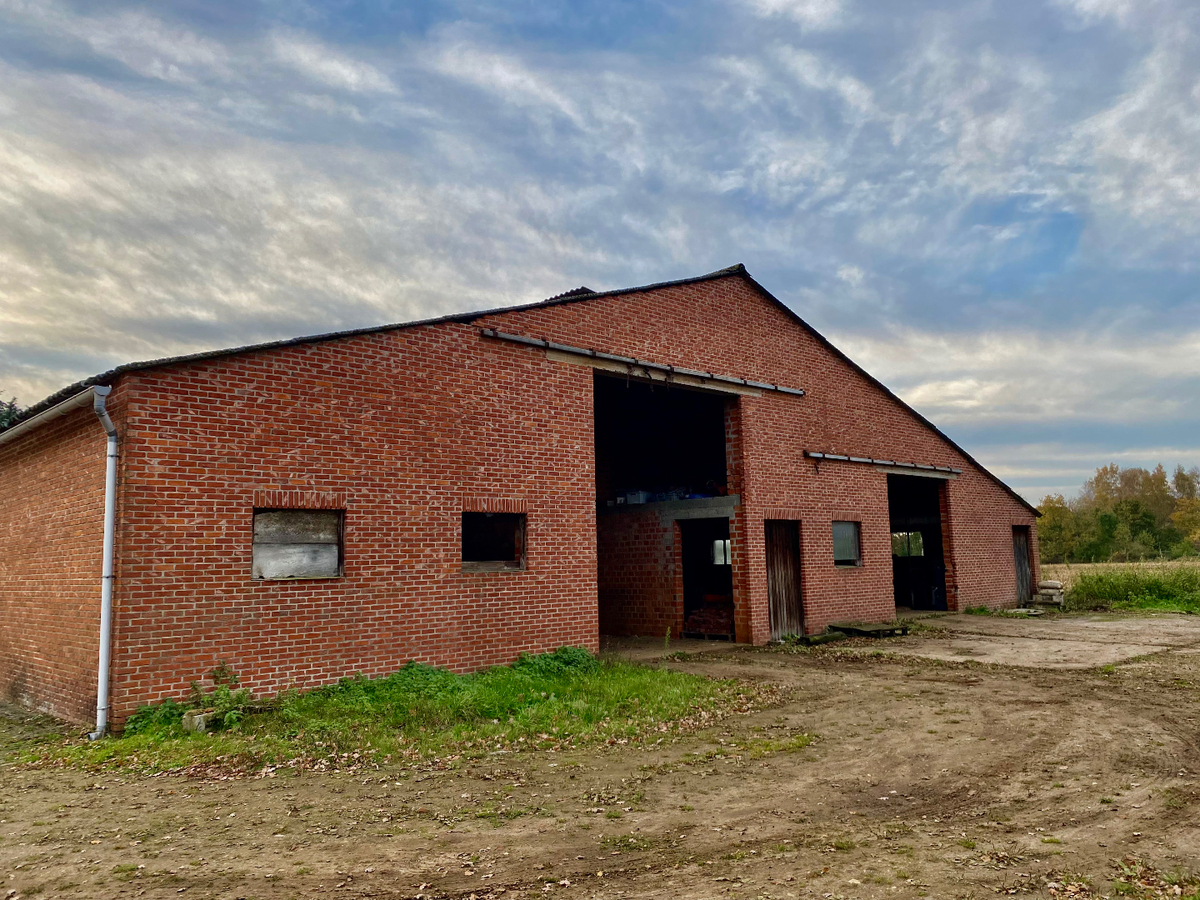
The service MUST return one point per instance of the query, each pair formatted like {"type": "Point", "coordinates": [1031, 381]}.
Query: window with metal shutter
{"type": "Point", "coordinates": [846, 544]}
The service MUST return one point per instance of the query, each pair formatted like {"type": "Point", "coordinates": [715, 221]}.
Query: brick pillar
{"type": "Point", "coordinates": [948, 547]}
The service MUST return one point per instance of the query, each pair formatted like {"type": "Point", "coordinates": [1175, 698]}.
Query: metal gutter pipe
{"type": "Point", "coordinates": [99, 393]}
{"type": "Point", "coordinates": [83, 398]}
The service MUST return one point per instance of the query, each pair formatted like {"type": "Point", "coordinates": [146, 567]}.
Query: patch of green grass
{"type": "Point", "coordinates": [554, 700]}
{"type": "Point", "coordinates": [1138, 587]}
{"type": "Point", "coordinates": [627, 843]}
{"type": "Point", "coordinates": [1051, 840]}
{"type": "Point", "coordinates": [1173, 799]}
{"type": "Point", "coordinates": [760, 747]}
{"type": "Point", "coordinates": [977, 611]}
{"type": "Point", "coordinates": [843, 844]}
{"type": "Point", "coordinates": [966, 843]}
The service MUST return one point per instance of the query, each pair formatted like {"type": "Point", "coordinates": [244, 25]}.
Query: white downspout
{"type": "Point", "coordinates": [106, 584]}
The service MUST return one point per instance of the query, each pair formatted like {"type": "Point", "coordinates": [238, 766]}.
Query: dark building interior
{"type": "Point", "coordinates": [918, 563]}
{"type": "Point", "coordinates": [657, 441]}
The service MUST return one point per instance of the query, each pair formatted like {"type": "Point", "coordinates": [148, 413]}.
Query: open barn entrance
{"type": "Point", "coordinates": [663, 508]}
{"type": "Point", "coordinates": [918, 561]}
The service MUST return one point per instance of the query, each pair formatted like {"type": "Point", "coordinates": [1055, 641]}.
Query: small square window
{"type": "Point", "coordinates": [846, 544]}
{"type": "Point", "coordinates": [493, 541]}
{"type": "Point", "coordinates": [721, 552]}
{"type": "Point", "coordinates": [292, 544]}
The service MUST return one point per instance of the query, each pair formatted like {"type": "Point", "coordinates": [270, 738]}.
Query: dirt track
{"type": "Point", "coordinates": [926, 779]}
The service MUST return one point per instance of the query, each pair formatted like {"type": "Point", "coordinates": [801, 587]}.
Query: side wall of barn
{"type": "Point", "coordinates": [51, 532]}
{"type": "Point", "coordinates": [403, 431]}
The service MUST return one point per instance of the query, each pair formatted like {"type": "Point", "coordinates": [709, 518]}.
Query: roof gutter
{"type": "Point", "coordinates": [46, 416]}
{"type": "Point", "coordinates": [99, 394]}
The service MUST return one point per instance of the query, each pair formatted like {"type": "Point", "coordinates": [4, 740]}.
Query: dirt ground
{"type": "Point", "coordinates": [947, 778]}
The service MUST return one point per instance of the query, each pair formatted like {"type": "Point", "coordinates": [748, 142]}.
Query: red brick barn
{"type": "Point", "coordinates": [688, 456]}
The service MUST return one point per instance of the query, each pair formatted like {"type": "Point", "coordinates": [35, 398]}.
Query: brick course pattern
{"type": "Point", "coordinates": [51, 535]}
{"type": "Point", "coordinates": [405, 430]}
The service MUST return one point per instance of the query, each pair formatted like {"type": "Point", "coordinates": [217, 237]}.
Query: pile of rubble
{"type": "Point", "coordinates": [1049, 593]}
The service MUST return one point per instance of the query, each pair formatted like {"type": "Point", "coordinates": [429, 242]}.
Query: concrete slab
{"type": "Point", "coordinates": [1060, 642]}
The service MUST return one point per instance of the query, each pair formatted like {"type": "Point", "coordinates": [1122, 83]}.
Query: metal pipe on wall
{"type": "Point", "coordinates": [99, 393]}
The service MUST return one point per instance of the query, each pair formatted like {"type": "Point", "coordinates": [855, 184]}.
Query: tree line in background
{"type": "Point", "coordinates": [1122, 515]}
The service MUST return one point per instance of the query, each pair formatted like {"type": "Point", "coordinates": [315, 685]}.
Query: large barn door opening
{"type": "Point", "coordinates": [918, 557]}
{"type": "Point", "coordinates": [783, 578]}
{"type": "Point", "coordinates": [662, 457]}
{"type": "Point", "coordinates": [1024, 569]}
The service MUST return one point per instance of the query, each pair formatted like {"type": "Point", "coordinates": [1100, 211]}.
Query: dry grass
{"type": "Point", "coordinates": [1068, 572]}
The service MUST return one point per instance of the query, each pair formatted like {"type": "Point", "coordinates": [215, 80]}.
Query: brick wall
{"type": "Point", "coordinates": [405, 430]}
{"type": "Point", "coordinates": [636, 558]}
{"type": "Point", "coordinates": [51, 532]}
{"type": "Point", "coordinates": [727, 326]}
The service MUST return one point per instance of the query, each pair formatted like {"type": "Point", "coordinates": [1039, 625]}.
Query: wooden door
{"type": "Point", "coordinates": [783, 577]}
{"type": "Point", "coordinates": [1024, 569]}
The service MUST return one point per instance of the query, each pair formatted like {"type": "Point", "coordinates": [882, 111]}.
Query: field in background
{"type": "Point", "coordinates": [1068, 572]}
{"type": "Point", "coordinates": [1169, 586]}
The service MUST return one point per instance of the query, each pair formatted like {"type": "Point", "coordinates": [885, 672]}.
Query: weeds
{"type": "Point", "coordinates": [551, 701]}
{"type": "Point", "coordinates": [1174, 588]}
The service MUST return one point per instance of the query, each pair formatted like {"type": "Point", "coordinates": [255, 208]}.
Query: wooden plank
{"type": "Point", "coordinates": [880, 629]}
{"type": "Point", "coordinates": [783, 577]}
{"type": "Point", "coordinates": [297, 526]}
{"type": "Point", "coordinates": [274, 562]}
{"type": "Point", "coordinates": [1021, 557]}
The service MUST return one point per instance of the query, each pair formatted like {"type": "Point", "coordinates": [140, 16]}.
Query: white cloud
{"type": "Point", "coordinates": [852, 275]}
{"type": "Point", "coordinates": [1031, 377]}
{"type": "Point", "coordinates": [324, 65]}
{"type": "Point", "coordinates": [817, 15]}
{"type": "Point", "coordinates": [506, 77]}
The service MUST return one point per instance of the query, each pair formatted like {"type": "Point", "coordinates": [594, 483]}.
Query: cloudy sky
{"type": "Point", "coordinates": [993, 206]}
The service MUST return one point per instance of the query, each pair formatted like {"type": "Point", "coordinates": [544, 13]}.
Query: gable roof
{"type": "Point", "coordinates": [577, 295]}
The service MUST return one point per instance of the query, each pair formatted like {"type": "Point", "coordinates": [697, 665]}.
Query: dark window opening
{"type": "Point", "coordinates": [292, 544]}
{"type": "Point", "coordinates": [493, 541]}
{"type": "Point", "coordinates": [847, 544]}
{"type": "Point", "coordinates": [657, 442]}
{"type": "Point", "coordinates": [707, 578]}
{"type": "Point", "coordinates": [918, 563]}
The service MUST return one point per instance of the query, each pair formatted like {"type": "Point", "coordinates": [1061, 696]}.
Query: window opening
{"type": "Point", "coordinates": [657, 442]}
{"type": "Point", "coordinates": [493, 541]}
{"type": "Point", "coordinates": [721, 552]}
{"type": "Point", "coordinates": [847, 549]}
{"type": "Point", "coordinates": [908, 543]}
{"type": "Point", "coordinates": [297, 544]}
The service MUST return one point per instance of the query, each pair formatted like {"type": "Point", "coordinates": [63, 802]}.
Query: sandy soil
{"type": "Point", "coordinates": [926, 778]}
